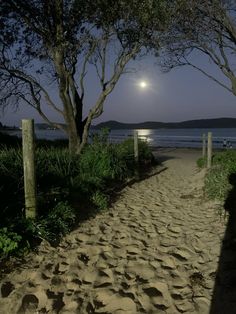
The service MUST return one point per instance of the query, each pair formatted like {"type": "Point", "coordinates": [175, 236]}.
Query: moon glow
{"type": "Point", "coordinates": [143, 84]}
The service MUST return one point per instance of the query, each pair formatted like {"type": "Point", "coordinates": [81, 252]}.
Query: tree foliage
{"type": "Point", "coordinates": [50, 45]}
{"type": "Point", "coordinates": [206, 26]}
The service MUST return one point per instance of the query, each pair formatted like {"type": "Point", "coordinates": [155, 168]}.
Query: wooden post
{"type": "Point", "coordinates": [136, 156]}
{"type": "Point", "coordinates": [209, 150]}
{"type": "Point", "coordinates": [204, 145]}
{"type": "Point", "coordinates": [136, 147]}
{"type": "Point", "coordinates": [29, 168]}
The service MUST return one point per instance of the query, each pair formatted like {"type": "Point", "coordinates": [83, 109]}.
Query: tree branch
{"type": "Point", "coordinates": [26, 78]}
{"type": "Point", "coordinates": [84, 66]}
{"type": "Point", "coordinates": [208, 75]}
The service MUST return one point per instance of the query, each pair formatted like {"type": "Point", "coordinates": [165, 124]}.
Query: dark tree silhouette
{"type": "Point", "coordinates": [50, 45]}
{"type": "Point", "coordinates": [208, 27]}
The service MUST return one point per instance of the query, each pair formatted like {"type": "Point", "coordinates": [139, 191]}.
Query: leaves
{"type": "Point", "coordinates": [9, 242]}
{"type": "Point", "coordinates": [206, 27]}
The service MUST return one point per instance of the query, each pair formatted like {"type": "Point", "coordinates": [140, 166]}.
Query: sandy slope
{"type": "Point", "coordinates": [155, 251]}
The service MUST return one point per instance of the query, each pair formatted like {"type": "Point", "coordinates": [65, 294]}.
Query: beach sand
{"type": "Point", "coordinates": [155, 250]}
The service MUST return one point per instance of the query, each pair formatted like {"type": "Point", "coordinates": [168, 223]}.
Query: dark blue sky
{"type": "Point", "coordinates": [182, 94]}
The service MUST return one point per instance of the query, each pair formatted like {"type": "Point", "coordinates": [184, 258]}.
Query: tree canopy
{"type": "Point", "coordinates": [206, 26]}
{"type": "Point", "coordinates": [49, 44]}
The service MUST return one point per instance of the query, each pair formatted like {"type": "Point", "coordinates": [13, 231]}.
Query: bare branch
{"type": "Point", "coordinates": [26, 78]}
{"type": "Point", "coordinates": [209, 76]}
{"type": "Point", "coordinates": [84, 66]}
{"type": "Point", "coordinates": [208, 27]}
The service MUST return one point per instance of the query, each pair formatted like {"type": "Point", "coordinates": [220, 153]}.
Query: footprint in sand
{"type": "Point", "coordinates": [155, 251]}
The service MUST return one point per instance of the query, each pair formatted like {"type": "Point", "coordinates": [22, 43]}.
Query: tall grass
{"type": "Point", "coordinates": [69, 188]}
{"type": "Point", "coordinates": [217, 185]}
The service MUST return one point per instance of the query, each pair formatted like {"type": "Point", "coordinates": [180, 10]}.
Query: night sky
{"type": "Point", "coordinates": [182, 94]}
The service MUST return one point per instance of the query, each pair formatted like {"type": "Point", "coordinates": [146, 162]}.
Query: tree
{"type": "Point", "coordinates": [51, 44]}
{"type": "Point", "coordinates": [207, 26]}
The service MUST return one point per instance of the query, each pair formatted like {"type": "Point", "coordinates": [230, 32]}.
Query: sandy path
{"type": "Point", "coordinates": [155, 251]}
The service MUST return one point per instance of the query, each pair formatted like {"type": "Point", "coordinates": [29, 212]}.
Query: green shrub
{"type": "Point", "coordinates": [9, 242]}
{"type": "Point", "coordinates": [100, 200]}
{"type": "Point", "coordinates": [226, 157]}
{"type": "Point", "coordinates": [101, 138]}
{"type": "Point", "coordinates": [127, 151]}
{"type": "Point", "coordinates": [56, 167]}
{"type": "Point", "coordinates": [11, 164]}
{"type": "Point", "coordinates": [69, 188]}
{"type": "Point", "coordinates": [11, 184]}
{"type": "Point", "coordinates": [57, 223]}
{"type": "Point", "coordinates": [99, 164]}
{"type": "Point", "coordinates": [217, 184]}
{"type": "Point", "coordinates": [201, 162]}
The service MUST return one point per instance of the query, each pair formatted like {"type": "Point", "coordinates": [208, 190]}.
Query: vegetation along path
{"type": "Point", "coordinates": [155, 251]}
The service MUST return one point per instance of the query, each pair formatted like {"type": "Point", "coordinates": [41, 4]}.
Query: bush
{"type": "Point", "coordinates": [100, 200]}
{"type": "Point", "coordinates": [57, 223]}
{"type": "Point", "coordinates": [55, 170]}
{"type": "Point", "coordinates": [9, 242]}
{"type": "Point", "coordinates": [100, 164]}
{"type": "Point", "coordinates": [11, 184]}
{"type": "Point", "coordinates": [127, 151]}
{"type": "Point", "coordinates": [69, 188]}
{"type": "Point", "coordinates": [201, 162]}
{"type": "Point", "coordinates": [56, 166]}
{"type": "Point", "coordinates": [216, 183]}
{"type": "Point", "coordinates": [56, 173]}
{"type": "Point", "coordinates": [217, 179]}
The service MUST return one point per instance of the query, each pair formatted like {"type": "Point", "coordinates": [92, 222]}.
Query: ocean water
{"type": "Point", "coordinates": [156, 137]}
{"type": "Point", "coordinates": [178, 137]}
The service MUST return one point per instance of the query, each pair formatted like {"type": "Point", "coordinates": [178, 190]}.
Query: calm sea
{"type": "Point", "coordinates": [157, 137]}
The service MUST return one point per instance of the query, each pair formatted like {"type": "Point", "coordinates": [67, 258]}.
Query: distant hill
{"type": "Point", "coordinates": [44, 126]}
{"type": "Point", "coordinates": [191, 124]}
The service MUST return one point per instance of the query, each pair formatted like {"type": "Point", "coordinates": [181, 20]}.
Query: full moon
{"type": "Point", "coordinates": [143, 84]}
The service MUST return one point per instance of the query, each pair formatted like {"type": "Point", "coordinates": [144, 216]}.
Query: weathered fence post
{"type": "Point", "coordinates": [209, 150]}
{"type": "Point", "coordinates": [29, 168]}
{"type": "Point", "coordinates": [136, 157]}
{"type": "Point", "coordinates": [204, 145]}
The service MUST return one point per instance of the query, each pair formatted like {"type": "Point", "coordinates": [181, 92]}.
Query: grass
{"type": "Point", "coordinates": [69, 188]}
{"type": "Point", "coordinates": [217, 182]}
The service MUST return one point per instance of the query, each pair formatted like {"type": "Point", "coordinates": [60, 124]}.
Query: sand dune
{"type": "Point", "coordinates": [155, 251]}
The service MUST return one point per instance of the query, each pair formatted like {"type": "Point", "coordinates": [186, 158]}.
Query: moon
{"type": "Point", "coordinates": [143, 84]}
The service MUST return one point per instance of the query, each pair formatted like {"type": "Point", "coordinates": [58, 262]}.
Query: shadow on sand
{"type": "Point", "coordinates": [224, 294]}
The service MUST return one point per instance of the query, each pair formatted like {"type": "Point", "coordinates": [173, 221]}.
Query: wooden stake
{"type": "Point", "coordinates": [136, 157]}
{"type": "Point", "coordinates": [29, 168]}
{"type": "Point", "coordinates": [204, 145]}
{"type": "Point", "coordinates": [209, 150]}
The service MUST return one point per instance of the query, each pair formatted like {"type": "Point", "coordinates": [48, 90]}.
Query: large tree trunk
{"type": "Point", "coordinates": [84, 135]}
{"type": "Point", "coordinates": [75, 131]}
{"type": "Point", "coordinates": [73, 141]}
{"type": "Point", "coordinates": [77, 134]}
{"type": "Point", "coordinates": [78, 139]}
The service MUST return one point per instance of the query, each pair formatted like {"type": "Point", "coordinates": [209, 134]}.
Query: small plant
{"type": "Point", "coordinates": [201, 162]}
{"type": "Point", "coordinates": [100, 164]}
{"type": "Point", "coordinates": [101, 138]}
{"type": "Point", "coordinates": [58, 222]}
{"type": "Point", "coordinates": [9, 242]}
{"type": "Point", "coordinates": [100, 200]}
{"type": "Point", "coordinates": [56, 166]}
{"type": "Point", "coordinates": [217, 183]}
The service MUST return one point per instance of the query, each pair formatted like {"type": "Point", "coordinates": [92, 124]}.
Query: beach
{"type": "Point", "coordinates": [156, 250]}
